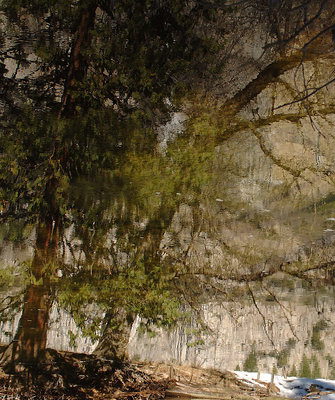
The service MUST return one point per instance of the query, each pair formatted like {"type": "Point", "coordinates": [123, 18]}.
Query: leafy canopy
{"type": "Point", "coordinates": [85, 84]}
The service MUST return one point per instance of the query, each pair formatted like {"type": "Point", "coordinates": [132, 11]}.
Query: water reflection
{"type": "Point", "coordinates": [283, 323]}
{"type": "Point", "coordinates": [239, 249]}
{"type": "Point", "coordinates": [101, 262]}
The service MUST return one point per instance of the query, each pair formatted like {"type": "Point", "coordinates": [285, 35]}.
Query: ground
{"type": "Point", "coordinates": [198, 383]}
{"type": "Point", "coordinates": [69, 376]}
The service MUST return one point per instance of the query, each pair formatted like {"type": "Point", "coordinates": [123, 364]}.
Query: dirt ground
{"type": "Point", "coordinates": [198, 383]}
{"type": "Point", "coordinates": [70, 376]}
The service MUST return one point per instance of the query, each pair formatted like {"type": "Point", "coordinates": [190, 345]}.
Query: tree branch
{"type": "Point", "coordinates": [306, 96]}
{"type": "Point", "coordinates": [301, 29]}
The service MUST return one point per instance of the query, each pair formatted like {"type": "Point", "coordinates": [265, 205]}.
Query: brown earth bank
{"type": "Point", "coordinates": [65, 375]}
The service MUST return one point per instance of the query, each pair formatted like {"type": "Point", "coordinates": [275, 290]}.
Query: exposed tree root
{"type": "Point", "coordinates": [60, 375]}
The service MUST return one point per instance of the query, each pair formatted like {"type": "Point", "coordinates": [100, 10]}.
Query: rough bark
{"type": "Point", "coordinates": [31, 336]}
{"type": "Point", "coordinates": [78, 63]}
{"type": "Point", "coordinates": [114, 342]}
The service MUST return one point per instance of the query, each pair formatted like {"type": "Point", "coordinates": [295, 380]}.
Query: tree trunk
{"type": "Point", "coordinates": [31, 336]}
{"type": "Point", "coordinates": [78, 62]}
{"type": "Point", "coordinates": [114, 341]}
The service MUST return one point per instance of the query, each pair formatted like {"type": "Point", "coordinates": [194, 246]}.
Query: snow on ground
{"type": "Point", "coordinates": [292, 387]}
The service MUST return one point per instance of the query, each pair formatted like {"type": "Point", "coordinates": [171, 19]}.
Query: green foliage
{"type": "Point", "coordinates": [136, 202]}
{"type": "Point", "coordinates": [6, 277]}
{"type": "Point", "coordinates": [321, 325]}
{"type": "Point", "coordinates": [12, 280]}
{"type": "Point", "coordinates": [305, 367]}
{"type": "Point", "coordinates": [16, 231]}
{"type": "Point", "coordinates": [331, 366]}
{"type": "Point", "coordinates": [139, 288]}
{"type": "Point", "coordinates": [293, 371]}
{"type": "Point", "coordinates": [136, 50]}
{"type": "Point", "coordinates": [317, 343]}
{"type": "Point", "coordinates": [291, 343]}
{"type": "Point", "coordinates": [330, 360]}
{"type": "Point", "coordinates": [195, 343]}
{"type": "Point", "coordinates": [136, 62]}
{"type": "Point", "coordinates": [316, 371]}
{"type": "Point", "coordinates": [250, 363]}
{"type": "Point", "coordinates": [72, 339]}
{"type": "Point", "coordinates": [282, 357]}
{"type": "Point", "coordinates": [79, 146]}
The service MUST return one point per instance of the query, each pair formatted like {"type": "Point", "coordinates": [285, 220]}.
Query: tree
{"type": "Point", "coordinates": [83, 85]}
{"type": "Point", "coordinates": [305, 369]}
{"type": "Point", "coordinates": [316, 371]}
{"type": "Point", "coordinates": [250, 363]}
{"type": "Point", "coordinates": [293, 371]}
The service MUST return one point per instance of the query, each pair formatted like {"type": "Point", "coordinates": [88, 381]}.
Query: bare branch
{"type": "Point", "coordinates": [263, 317]}
{"type": "Point", "coordinates": [284, 310]}
{"type": "Point", "coordinates": [306, 96]}
{"type": "Point", "coordinates": [276, 160]}
{"type": "Point", "coordinates": [301, 29]}
{"type": "Point", "coordinates": [318, 35]}
{"type": "Point", "coordinates": [269, 74]}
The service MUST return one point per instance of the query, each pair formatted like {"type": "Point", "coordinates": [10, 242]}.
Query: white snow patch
{"type": "Point", "coordinates": [292, 387]}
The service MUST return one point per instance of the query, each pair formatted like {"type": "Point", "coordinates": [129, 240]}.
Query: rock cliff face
{"type": "Point", "coordinates": [273, 184]}
{"type": "Point", "coordinates": [280, 329]}
{"type": "Point", "coordinates": [270, 207]}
